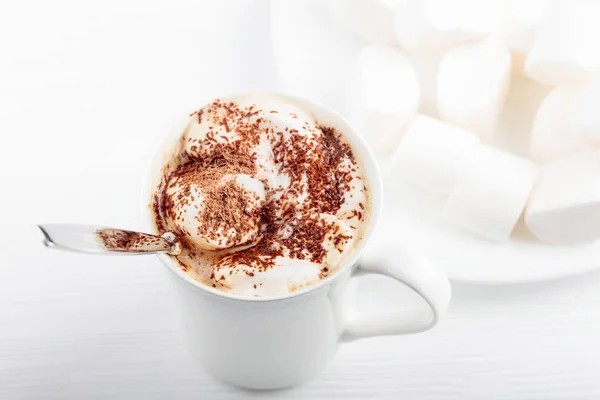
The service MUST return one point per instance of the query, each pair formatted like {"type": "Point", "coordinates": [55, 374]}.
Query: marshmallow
{"type": "Point", "coordinates": [434, 25]}
{"type": "Point", "coordinates": [311, 54]}
{"type": "Point", "coordinates": [278, 119]}
{"type": "Point", "coordinates": [288, 120]}
{"type": "Point", "coordinates": [188, 205]}
{"type": "Point", "coordinates": [564, 208]}
{"type": "Point", "coordinates": [427, 65]}
{"type": "Point", "coordinates": [552, 134]}
{"type": "Point", "coordinates": [250, 184]}
{"type": "Point", "coordinates": [489, 199]}
{"type": "Point", "coordinates": [372, 20]}
{"type": "Point", "coordinates": [433, 154]}
{"type": "Point", "coordinates": [519, 24]}
{"type": "Point", "coordinates": [336, 250]}
{"type": "Point", "coordinates": [287, 274]}
{"type": "Point", "coordinates": [516, 119]}
{"type": "Point", "coordinates": [472, 85]}
{"type": "Point", "coordinates": [586, 118]}
{"type": "Point", "coordinates": [565, 46]}
{"type": "Point", "coordinates": [383, 95]}
{"type": "Point", "coordinates": [200, 135]}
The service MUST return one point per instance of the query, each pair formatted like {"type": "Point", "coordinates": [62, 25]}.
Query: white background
{"type": "Point", "coordinates": [86, 90]}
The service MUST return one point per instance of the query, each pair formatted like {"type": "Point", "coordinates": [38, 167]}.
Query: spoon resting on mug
{"type": "Point", "coordinates": [100, 240]}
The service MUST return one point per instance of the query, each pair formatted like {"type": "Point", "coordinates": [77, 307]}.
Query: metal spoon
{"type": "Point", "coordinates": [99, 240]}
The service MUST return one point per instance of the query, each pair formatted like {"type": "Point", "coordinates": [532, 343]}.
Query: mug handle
{"type": "Point", "coordinates": [412, 270]}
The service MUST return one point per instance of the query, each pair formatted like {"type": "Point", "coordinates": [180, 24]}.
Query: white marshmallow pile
{"type": "Point", "coordinates": [565, 206]}
{"type": "Point", "coordinates": [426, 82]}
{"type": "Point", "coordinates": [522, 18]}
{"type": "Point", "coordinates": [427, 66]}
{"type": "Point", "coordinates": [586, 118]}
{"type": "Point", "coordinates": [472, 85]}
{"type": "Point", "coordinates": [553, 134]}
{"type": "Point", "coordinates": [357, 16]}
{"type": "Point", "coordinates": [383, 95]}
{"type": "Point", "coordinates": [565, 47]}
{"type": "Point", "coordinates": [434, 154]}
{"type": "Point", "coordinates": [491, 196]}
{"type": "Point", "coordinates": [434, 25]}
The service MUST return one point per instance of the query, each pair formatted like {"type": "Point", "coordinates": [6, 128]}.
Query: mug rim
{"type": "Point", "coordinates": [370, 168]}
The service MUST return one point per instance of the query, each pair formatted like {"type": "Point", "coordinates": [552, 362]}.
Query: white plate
{"type": "Point", "coordinates": [414, 218]}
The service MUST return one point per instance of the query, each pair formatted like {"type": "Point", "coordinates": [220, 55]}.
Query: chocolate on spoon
{"type": "Point", "coordinates": [100, 240]}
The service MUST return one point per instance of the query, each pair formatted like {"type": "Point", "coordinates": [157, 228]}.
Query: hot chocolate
{"type": "Point", "coordinates": [263, 198]}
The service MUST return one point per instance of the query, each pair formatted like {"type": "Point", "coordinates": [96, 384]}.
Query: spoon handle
{"type": "Point", "coordinates": [99, 240]}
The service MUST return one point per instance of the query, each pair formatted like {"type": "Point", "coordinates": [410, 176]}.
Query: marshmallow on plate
{"type": "Point", "coordinates": [491, 196]}
{"type": "Point", "coordinates": [553, 135]}
{"type": "Point", "coordinates": [564, 208]}
{"type": "Point", "coordinates": [434, 154]}
{"type": "Point", "coordinates": [383, 95]}
{"type": "Point", "coordinates": [427, 66]}
{"type": "Point", "coordinates": [311, 54]}
{"type": "Point", "coordinates": [565, 46]}
{"type": "Point", "coordinates": [472, 85]}
{"type": "Point", "coordinates": [434, 25]}
{"type": "Point", "coordinates": [373, 20]}
{"type": "Point", "coordinates": [518, 28]}
{"type": "Point", "coordinates": [586, 118]}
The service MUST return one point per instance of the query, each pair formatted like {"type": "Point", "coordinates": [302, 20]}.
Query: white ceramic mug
{"type": "Point", "coordinates": [274, 342]}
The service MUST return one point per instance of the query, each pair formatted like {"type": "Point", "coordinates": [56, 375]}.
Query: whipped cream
{"type": "Point", "coordinates": [264, 200]}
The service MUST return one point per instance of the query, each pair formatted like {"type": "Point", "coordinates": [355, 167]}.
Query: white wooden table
{"type": "Point", "coordinates": [85, 92]}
